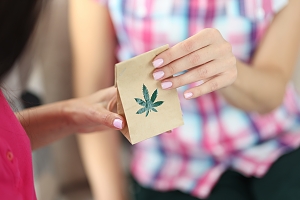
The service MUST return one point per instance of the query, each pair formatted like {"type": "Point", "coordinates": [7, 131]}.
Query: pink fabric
{"type": "Point", "coordinates": [16, 177]}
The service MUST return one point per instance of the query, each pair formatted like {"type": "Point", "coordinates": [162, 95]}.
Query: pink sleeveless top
{"type": "Point", "coordinates": [16, 177]}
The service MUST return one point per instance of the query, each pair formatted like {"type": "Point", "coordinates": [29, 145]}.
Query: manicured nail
{"type": "Point", "coordinates": [188, 95]}
{"type": "Point", "coordinates": [158, 75]}
{"type": "Point", "coordinates": [198, 83]}
{"type": "Point", "coordinates": [158, 62]}
{"type": "Point", "coordinates": [166, 85]}
{"type": "Point", "coordinates": [118, 123]}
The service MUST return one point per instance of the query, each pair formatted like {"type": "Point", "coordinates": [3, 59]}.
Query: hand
{"type": "Point", "coordinates": [93, 113]}
{"type": "Point", "coordinates": [206, 56]}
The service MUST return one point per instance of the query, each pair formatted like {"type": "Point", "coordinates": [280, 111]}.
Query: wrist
{"type": "Point", "coordinates": [67, 112]}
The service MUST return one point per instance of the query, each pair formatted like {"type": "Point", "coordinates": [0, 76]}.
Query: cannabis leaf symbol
{"type": "Point", "coordinates": [148, 104]}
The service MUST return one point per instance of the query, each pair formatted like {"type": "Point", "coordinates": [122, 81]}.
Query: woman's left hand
{"type": "Point", "coordinates": [94, 112]}
{"type": "Point", "coordinates": [206, 56]}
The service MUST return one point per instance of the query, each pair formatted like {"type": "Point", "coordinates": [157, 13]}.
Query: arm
{"type": "Point", "coordinates": [209, 59]}
{"type": "Point", "coordinates": [93, 45]}
{"type": "Point", "coordinates": [48, 123]}
{"type": "Point", "coordinates": [272, 65]}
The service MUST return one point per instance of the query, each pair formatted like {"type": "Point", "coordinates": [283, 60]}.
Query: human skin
{"type": "Point", "coordinates": [48, 123]}
{"type": "Point", "coordinates": [93, 44]}
{"type": "Point", "coordinates": [258, 86]}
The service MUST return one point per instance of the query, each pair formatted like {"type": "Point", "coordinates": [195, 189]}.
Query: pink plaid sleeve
{"type": "Point", "coordinates": [268, 7]}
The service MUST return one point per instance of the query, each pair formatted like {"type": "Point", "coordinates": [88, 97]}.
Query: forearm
{"type": "Point", "coordinates": [93, 45]}
{"type": "Point", "coordinates": [45, 124]}
{"type": "Point", "coordinates": [256, 89]}
{"type": "Point", "coordinates": [93, 42]}
{"type": "Point", "coordinates": [101, 157]}
{"type": "Point", "coordinates": [261, 87]}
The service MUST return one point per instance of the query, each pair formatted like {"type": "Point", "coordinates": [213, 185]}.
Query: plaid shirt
{"type": "Point", "coordinates": [216, 136]}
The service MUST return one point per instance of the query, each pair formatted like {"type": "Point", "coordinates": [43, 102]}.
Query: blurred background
{"type": "Point", "coordinates": [59, 173]}
{"type": "Point", "coordinates": [43, 75]}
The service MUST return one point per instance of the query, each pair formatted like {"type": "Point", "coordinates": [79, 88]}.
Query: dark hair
{"type": "Point", "coordinates": [17, 20]}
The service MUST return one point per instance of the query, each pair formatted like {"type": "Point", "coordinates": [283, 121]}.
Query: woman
{"type": "Point", "coordinates": [30, 129]}
{"type": "Point", "coordinates": [241, 114]}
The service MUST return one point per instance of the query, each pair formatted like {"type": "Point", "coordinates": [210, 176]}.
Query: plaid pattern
{"type": "Point", "coordinates": [216, 136]}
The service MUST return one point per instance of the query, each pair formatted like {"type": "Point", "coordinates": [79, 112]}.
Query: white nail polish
{"type": "Point", "coordinates": [188, 95]}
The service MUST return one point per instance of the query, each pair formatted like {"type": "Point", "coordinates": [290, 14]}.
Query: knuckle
{"type": "Point", "coordinates": [213, 86]}
{"type": "Point", "coordinates": [93, 112]}
{"type": "Point", "coordinates": [187, 46]}
{"type": "Point", "coordinates": [224, 50]}
{"type": "Point", "coordinates": [227, 47]}
{"type": "Point", "coordinates": [215, 36]}
{"type": "Point", "coordinates": [194, 59]}
{"type": "Point", "coordinates": [229, 62]}
{"type": "Point", "coordinates": [212, 35]}
{"type": "Point", "coordinates": [214, 32]}
{"type": "Point", "coordinates": [202, 72]}
{"type": "Point", "coordinates": [107, 119]}
{"type": "Point", "coordinates": [172, 69]}
{"type": "Point", "coordinates": [168, 54]}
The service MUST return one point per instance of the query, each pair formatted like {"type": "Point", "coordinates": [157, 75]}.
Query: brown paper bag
{"type": "Point", "coordinates": [148, 109]}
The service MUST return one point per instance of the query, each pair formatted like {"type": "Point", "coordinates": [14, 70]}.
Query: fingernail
{"type": "Point", "coordinates": [158, 62]}
{"type": "Point", "coordinates": [158, 75]}
{"type": "Point", "coordinates": [118, 123]}
{"type": "Point", "coordinates": [198, 83]}
{"type": "Point", "coordinates": [166, 85]}
{"type": "Point", "coordinates": [188, 95]}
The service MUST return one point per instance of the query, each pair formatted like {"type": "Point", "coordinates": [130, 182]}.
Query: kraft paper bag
{"type": "Point", "coordinates": [148, 109]}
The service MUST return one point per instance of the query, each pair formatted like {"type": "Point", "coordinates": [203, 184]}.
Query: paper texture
{"type": "Point", "coordinates": [148, 109]}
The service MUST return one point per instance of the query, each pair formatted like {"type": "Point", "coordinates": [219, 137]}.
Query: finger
{"type": "Point", "coordinates": [198, 41]}
{"type": "Point", "coordinates": [194, 59]}
{"type": "Point", "coordinates": [205, 71]}
{"type": "Point", "coordinates": [112, 104]}
{"type": "Point", "coordinates": [92, 128]}
{"type": "Point", "coordinates": [214, 84]}
{"type": "Point", "coordinates": [103, 95]}
{"type": "Point", "coordinates": [109, 119]}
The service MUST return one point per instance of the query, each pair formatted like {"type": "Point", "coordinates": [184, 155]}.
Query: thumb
{"type": "Point", "coordinates": [110, 119]}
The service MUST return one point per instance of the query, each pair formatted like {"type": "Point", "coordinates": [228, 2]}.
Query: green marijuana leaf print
{"type": "Point", "coordinates": [148, 104]}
